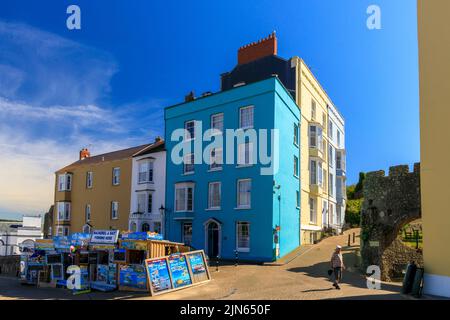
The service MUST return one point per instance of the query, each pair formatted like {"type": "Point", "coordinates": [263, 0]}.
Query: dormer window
{"type": "Point", "coordinates": [65, 182]}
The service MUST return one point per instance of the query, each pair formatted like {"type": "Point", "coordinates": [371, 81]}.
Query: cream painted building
{"type": "Point", "coordinates": [94, 192]}
{"type": "Point", "coordinates": [322, 133]}
{"type": "Point", "coordinates": [434, 53]}
{"type": "Point", "coordinates": [322, 141]}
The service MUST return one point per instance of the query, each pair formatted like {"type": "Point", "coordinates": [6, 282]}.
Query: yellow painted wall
{"type": "Point", "coordinates": [99, 196]}
{"type": "Point", "coordinates": [307, 88]}
{"type": "Point", "coordinates": [434, 60]}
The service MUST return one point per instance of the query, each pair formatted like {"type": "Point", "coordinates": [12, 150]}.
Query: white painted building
{"type": "Point", "coordinates": [337, 177]}
{"type": "Point", "coordinates": [148, 185]}
{"type": "Point", "coordinates": [17, 236]}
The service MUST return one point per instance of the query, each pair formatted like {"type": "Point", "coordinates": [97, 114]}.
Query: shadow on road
{"type": "Point", "coordinates": [351, 276]}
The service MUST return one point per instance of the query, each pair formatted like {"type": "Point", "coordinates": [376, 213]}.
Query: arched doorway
{"type": "Point", "coordinates": [133, 227]}
{"type": "Point", "coordinates": [213, 237]}
{"type": "Point", "coordinates": [145, 227]}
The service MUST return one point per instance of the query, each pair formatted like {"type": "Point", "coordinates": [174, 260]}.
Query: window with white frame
{"type": "Point", "coordinates": [330, 130]}
{"type": "Point", "coordinates": [338, 160]}
{"type": "Point", "coordinates": [86, 228]}
{"type": "Point", "coordinates": [188, 166]}
{"type": "Point", "coordinates": [141, 197]}
{"type": "Point", "coordinates": [244, 188]}
{"type": "Point", "coordinates": [245, 154]}
{"type": "Point", "coordinates": [313, 109]}
{"type": "Point", "coordinates": [114, 210]}
{"type": "Point", "coordinates": [145, 172]}
{"type": "Point", "coordinates": [243, 236]}
{"type": "Point", "coordinates": [116, 176]}
{"type": "Point", "coordinates": [214, 190]}
{"type": "Point", "coordinates": [313, 172]}
{"type": "Point", "coordinates": [62, 231]}
{"type": "Point", "coordinates": [184, 197]}
{"type": "Point", "coordinates": [315, 137]}
{"type": "Point", "coordinates": [63, 211]}
{"type": "Point", "coordinates": [296, 168]}
{"type": "Point", "coordinates": [187, 233]}
{"type": "Point", "coordinates": [217, 122]}
{"type": "Point", "coordinates": [88, 212]}
{"type": "Point", "coordinates": [319, 173]}
{"type": "Point", "coordinates": [296, 134]}
{"type": "Point", "coordinates": [65, 182]}
{"type": "Point", "coordinates": [89, 179]}
{"type": "Point", "coordinates": [216, 159]}
{"type": "Point", "coordinates": [312, 210]}
{"type": "Point", "coordinates": [331, 155]}
{"type": "Point", "coordinates": [246, 117]}
{"type": "Point", "coordinates": [189, 126]}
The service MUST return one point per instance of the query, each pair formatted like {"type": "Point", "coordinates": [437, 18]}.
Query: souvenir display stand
{"type": "Point", "coordinates": [134, 249]}
{"type": "Point", "coordinates": [176, 271]}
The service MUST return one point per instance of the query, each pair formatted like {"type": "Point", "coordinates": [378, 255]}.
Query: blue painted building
{"type": "Point", "coordinates": [220, 206]}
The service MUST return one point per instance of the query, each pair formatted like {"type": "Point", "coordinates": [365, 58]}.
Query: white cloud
{"type": "Point", "coordinates": [50, 107]}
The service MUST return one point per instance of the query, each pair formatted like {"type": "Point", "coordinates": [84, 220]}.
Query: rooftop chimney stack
{"type": "Point", "coordinates": [189, 97]}
{"type": "Point", "coordinates": [84, 153]}
{"type": "Point", "coordinates": [256, 50]}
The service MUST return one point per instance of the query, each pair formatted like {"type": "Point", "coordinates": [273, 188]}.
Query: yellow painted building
{"type": "Point", "coordinates": [434, 53]}
{"type": "Point", "coordinates": [94, 192]}
{"type": "Point", "coordinates": [318, 206]}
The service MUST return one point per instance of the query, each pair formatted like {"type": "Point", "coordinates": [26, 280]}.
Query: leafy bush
{"type": "Point", "coordinates": [353, 212]}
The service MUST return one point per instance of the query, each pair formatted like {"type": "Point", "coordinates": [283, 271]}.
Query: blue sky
{"type": "Point", "coordinates": [105, 86]}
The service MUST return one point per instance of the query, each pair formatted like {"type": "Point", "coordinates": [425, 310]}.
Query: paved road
{"type": "Point", "coordinates": [304, 277]}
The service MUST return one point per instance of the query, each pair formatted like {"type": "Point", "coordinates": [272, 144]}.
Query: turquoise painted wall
{"type": "Point", "coordinates": [273, 108]}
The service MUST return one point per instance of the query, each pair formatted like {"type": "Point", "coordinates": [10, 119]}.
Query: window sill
{"type": "Point", "coordinates": [184, 211]}
{"type": "Point", "coordinates": [244, 166]}
{"type": "Point", "coordinates": [242, 208]}
{"type": "Point", "coordinates": [215, 169]}
{"type": "Point", "coordinates": [296, 177]}
{"type": "Point", "coordinates": [243, 250]}
{"type": "Point", "coordinates": [213, 209]}
{"type": "Point", "coordinates": [145, 182]}
{"type": "Point", "coordinates": [188, 173]}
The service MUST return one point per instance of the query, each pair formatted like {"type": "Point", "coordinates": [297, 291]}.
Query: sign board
{"type": "Point", "coordinates": [176, 271]}
{"type": "Point", "coordinates": [159, 275]}
{"type": "Point", "coordinates": [132, 276]}
{"type": "Point", "coordinates": [141, 236]}
{"type": "Point", "coordinates": [104, 236]}
{"type": "Point", "coordinates": [198, 266]}
{"type": "Point", "coordinates": [374, 243]}
{"type": "Point", "coordinates": [179, 270]}
{"type": "Point", "coordinates": [134, 245]}
{"type": "Point", "coordinates": [79, 239]}
{"type": "Point", "coordinates": [44, 244]}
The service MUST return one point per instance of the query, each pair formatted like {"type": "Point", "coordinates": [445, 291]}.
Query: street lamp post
{"type": "Point", "coordinates": [163, 219]}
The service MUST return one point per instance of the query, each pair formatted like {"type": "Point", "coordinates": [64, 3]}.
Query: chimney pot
{"type": "Point", "coordinates": [84, 153]}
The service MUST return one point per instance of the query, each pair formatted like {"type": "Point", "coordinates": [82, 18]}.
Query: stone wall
{"type": "Point", "coordinates": [390, 202]}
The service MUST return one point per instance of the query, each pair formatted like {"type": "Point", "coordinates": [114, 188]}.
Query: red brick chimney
{"type": "Point", "coordinates": [84, 153]}
{"type": "Point", "coordinates": [255, 50]}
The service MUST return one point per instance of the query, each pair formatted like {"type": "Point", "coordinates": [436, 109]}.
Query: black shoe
{"type": "Point", "coordinates": [337, 287]}
{"type": "Point", "coordinates": [334, 285]}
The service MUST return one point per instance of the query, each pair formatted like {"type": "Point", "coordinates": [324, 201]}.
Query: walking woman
{"type": "Point", "coordinates": [337, 264]}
